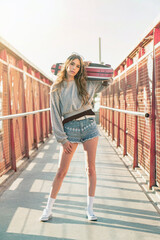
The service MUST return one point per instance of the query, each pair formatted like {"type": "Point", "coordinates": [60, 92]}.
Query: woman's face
{"type": "Point", "coordinates": [73, 67]}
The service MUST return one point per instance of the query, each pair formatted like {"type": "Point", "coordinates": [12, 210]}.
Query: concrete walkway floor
{"type": "Point", "coordinates": [123, 210]}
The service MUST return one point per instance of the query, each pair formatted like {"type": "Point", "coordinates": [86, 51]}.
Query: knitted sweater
{"type": "Point", "coordinates": [66, 103]}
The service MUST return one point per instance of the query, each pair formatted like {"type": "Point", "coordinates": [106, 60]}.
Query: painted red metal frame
{"type": "Point", "coordinates": [100, 112]}
{"type": "Point", "coordinates": [112, 113]}
{"type": "Point", "coordinates": [45, 102]}
{"type": "Point", "coordinates": [118, 124]}
{"type": "Point", "coordinates": [13, 156]}
{"type": "Point", "coordinates": [105, 116]}
{"type": "Point", "coordinates": [135, 155]}
{"type": "Point", "coordinates": [152, 181]}
{"type": "Point", "coordinates": [109, 115]}
{"type": "Point", "coordinates": [129, 61]}
{"type": "Point", "coordinates": [37, 74]}
{"type": "Point", "coordinates": [29, 70]}
{"type": "Point", "coordinates": [20, 64]}
{"type": "Point", "coordinates": [125, 123]}
{"type": "Point", "coordinates": [3, 56]}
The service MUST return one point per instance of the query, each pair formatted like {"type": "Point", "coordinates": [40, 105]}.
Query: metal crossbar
{"type": "Point", "coordinates": [126, 111]}
{"type": "Point", "coordinates": [23, 114]}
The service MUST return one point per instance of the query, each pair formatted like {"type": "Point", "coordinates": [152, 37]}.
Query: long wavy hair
{"type": "Point", "coordinates": [80, 78]}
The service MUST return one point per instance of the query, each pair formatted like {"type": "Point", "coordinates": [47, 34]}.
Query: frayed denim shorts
{"type": "Point", "coordinates": [79, 131]}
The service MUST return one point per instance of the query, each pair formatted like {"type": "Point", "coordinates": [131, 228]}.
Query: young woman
{"type": "Point", "coordinates": [73, 122]}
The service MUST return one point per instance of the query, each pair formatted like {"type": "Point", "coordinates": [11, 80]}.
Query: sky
{"type": "Point", "coordinates": [48, 31]}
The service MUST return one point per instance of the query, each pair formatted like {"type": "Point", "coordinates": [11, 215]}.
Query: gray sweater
{"type": "Point", "coordinates": [66, 103]}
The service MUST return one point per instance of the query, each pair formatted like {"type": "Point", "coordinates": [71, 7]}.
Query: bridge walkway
{"type": "Point", "coordinates": [123, 209]}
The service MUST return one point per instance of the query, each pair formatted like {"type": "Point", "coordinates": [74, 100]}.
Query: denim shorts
{"type": "Point", "coordinates": [79, 131]}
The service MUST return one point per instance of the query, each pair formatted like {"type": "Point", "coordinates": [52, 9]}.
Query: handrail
{"type": "Point", "coordinates": [126, 111]}
{"type": "Point", "coordinates": [23, 114]}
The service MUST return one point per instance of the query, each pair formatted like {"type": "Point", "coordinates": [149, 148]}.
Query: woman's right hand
{"type": "Point", "coordinates": [67, 147]}
{"type": "Point", "coordinates": [87, 63]}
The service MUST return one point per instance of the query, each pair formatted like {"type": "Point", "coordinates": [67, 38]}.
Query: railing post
{"type": "Point", "coordinates": [6, 91]}
{"type": "Point", "coordinates": [46, 122]}
{"type": "Point", "coordinates": [13, 157]}
{"type": "Point", "coordinates": [102, 112]}
{"type": "Point", "coordinates": [106, 113]}
{"type": "Point", "coordinates": [50, 124]}
{"type": "Point", "coordinates": [41, 114]}
{"type": "Point", "coordinates": [20, 65]}
{"type": "Point", "coordinates": [152, 180]}
{"type": "Point", "coordinates": [112, 113]}
{"type": "Point", "coordinates": [34, 116]}
{"type": "Point", "coordinates": [135, 157]}
{"type": "Point", "coordinates": [118, 124]}
{"type": "Point", "coordinates": [125, 120]}
{"type": "Point", "coordinates": [109, 114]}
{"type": "Point", "coordinates": [12, 145]}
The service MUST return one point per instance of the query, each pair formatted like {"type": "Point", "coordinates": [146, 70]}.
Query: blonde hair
{"type": "Point", "coordinates": [80, 78]}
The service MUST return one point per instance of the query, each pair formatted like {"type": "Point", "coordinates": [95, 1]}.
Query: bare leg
{"type": "Point", "coordinates": [64, 163]}
{"type": "Point", "coordinates": [65, 159]}
{"type": "Point", "coordinates": [90, 146]}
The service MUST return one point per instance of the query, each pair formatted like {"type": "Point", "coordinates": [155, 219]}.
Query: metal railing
{"type": "Point", "coordinates": [126, 111]}
{"type": "Point", "coordinates": [23, 114]}
{"type": "Point", "coordinates": [12, 116]}
{"type": "Point", "coordinates": [136, 114]}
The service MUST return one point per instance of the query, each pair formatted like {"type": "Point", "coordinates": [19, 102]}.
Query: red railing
{"type": "Point", "coordinates": [136, 90]}
{"type": "Point", "coordinates": [23, 88]}
{"type": "Point", "coordinates": [136, 114]}
{"type": "Point", "coordinates": [11, 117]}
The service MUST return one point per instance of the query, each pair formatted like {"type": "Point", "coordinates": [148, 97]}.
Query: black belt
{"type": "Point", "coordinates": [87, 112]}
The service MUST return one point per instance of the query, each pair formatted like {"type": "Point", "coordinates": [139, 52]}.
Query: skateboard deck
{"type": "Point", "coordinates": [95, 71]}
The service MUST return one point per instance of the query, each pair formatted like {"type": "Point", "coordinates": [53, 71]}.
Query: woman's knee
{"type": "Point", "coordinates": [61, 173]}
{"type": "Point", "coordinates": [91, 171]}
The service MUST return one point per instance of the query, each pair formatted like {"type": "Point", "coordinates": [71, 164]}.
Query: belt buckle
{"type": "Point", "coordinates": [81, 118]}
